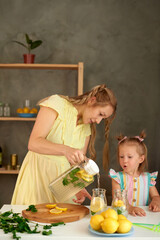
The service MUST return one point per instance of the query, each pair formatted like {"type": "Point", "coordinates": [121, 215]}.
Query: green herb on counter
{"type": "Point", "coordinates": [47, 232]}
{"type": "Point", "coordinates": [13, 223]}
{"type": "Point", "coordinates": [32, 208]}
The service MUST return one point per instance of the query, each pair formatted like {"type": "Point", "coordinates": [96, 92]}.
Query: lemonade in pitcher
{"type": "Point", "coordinates": [73, 180]}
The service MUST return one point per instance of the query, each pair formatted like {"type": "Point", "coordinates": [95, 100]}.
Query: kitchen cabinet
{"type": "Point", "coordinates": [75, 67]}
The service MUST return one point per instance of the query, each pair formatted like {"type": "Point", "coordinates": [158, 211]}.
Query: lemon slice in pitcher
{"type": "Point", "coordinates": [97, 204]}
{"type": "Point", "coordinates": [55, 211]}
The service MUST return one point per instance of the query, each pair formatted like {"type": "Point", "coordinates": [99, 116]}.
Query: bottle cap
{"type": "Point", "coordinates": [91, 167]}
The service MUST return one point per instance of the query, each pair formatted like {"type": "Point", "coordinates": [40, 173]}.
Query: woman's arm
{"type": "Point", "coordinates": [38, 142]}
{"type": "Point", "coordinates": [155, 199]}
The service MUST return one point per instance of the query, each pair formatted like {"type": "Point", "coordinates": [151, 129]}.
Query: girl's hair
{"type": "Point", "coordinates": [137, 141]}
{"type": "Point", "coordinates": [104, 96]}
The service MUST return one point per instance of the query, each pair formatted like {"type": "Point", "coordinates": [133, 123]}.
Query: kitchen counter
{"type": "Point", "coordinates": [79, 229]}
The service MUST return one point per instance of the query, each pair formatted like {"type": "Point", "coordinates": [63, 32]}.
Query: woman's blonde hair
{"type": "Point", "coordinates": [137, 141]}
{"type": "Point", "coordinates": [104, 96]}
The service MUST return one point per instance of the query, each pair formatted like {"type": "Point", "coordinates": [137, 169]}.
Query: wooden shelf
{"type": "Point", "coordinates": [16, 119]}
{"type": "Point", "coordinates": [78, 67]}
{"type": "Point", "coordinates": [5, 171]}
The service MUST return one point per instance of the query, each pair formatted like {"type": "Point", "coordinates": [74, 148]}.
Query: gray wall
{"type": "Point", "coordinates": [119, 43]}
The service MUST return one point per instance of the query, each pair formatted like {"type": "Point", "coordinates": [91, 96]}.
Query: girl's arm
{"type": "Point", "coordinates": [115, 186]}
{"type": "Point", "coordinates": [155, 199]}
{"type": "Point", "coordinates": [38, 142]}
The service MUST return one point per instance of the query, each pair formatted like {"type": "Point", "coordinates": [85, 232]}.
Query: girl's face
{"type": "Point", "coordinates": [129, 159]}
{"type": "Point", "coordinates": [95, 114]}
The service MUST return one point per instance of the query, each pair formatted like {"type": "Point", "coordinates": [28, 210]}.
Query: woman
{"type": "Point", "coordinates": [64, 128]}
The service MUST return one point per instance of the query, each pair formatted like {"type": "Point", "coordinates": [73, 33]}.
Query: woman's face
{"type": "Point", "coordinates": [95, 114]}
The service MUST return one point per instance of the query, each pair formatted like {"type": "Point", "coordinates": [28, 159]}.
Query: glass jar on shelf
{"type": "Point", "coordinates": [6, 110]}
{"type": "Point", "coordinates": [120, 202]}
{"type": "Point", "coordinates": [1, 109]}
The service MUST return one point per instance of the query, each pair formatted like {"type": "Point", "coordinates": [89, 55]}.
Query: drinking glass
{"type": "Point", "coordinates": [98, 201]}
{"type": "Point", "coordinates": [120, 202]}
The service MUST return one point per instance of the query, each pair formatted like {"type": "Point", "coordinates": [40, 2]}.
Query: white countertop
{"type": "Point", "coordinates": [79, 229]}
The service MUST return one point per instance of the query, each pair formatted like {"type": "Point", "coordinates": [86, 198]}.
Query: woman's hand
{"type": "Point", "coordinates": [81, 196]}
{"type": "Point", "coordinates": [73, 155]}
{"type": "Point", "coordinates": [136, 211]}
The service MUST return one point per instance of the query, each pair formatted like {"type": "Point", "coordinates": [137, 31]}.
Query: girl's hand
{"type": "Point", "coordinates": [81, 196]}
{"type": "Point", "coordinates": [136, 211]}
{"type": "Point", "coordinates": [154, 206]}
{"type": "Point", "coordinates": [74, 156]}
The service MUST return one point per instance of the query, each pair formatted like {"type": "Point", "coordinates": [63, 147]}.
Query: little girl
{"type": "Point", "coordinates": [140, 185]}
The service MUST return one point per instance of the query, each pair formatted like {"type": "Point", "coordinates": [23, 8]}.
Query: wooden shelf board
{"type": "Point", "coordinates": [5, 171]}
{"type": "Point", "coordinates": [16, 119]}
{"type": "Point", "coordinates": [40, 66]}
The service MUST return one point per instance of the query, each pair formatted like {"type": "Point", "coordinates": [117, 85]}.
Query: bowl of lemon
{"type": "Point", "coordinates": [110, 224]}
{"type": "Point", "coordinates": [27, 112]}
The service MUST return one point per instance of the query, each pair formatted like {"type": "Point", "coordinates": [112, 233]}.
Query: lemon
{"type": "Point", "coordinates": [109, 225]}
{"type": "Point", "coordinates": [118, 203]}
{"type": "Point", "coordinates": [55, 211]}
{"type": "Point", "coordinates": [96, 221]}
{"type": "Point", "coordinates": [51, 206]}
{"type": "Point", "coordinates": [26, 110]}
{"type": "Point", "coordinates": [34, 110]}
{"type": "Point", "coordinates": [87, 179]}
{"type": "Point", "coordinates": [97, 204]}
{"type": "Point", "coordinates": [62, 209]}
{"type": "Point", "coordinates": [124, 226]}
{"type": "Point", "coordinates": [121, 217]}
{"type": "Point", "coordinates": [110, 213]}
{"type": "Point", "coordinates": [19, 110]}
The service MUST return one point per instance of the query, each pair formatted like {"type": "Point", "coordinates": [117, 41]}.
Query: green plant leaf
{"type": "Point", "coordinates": [28, 40]}
{"type": "Point", "coordinates": [22, 44]}
{"type": "Point", "coordinates": [35, 44]}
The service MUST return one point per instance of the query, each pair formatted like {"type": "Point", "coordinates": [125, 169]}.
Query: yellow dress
{"type": "Point", "coordinates": [39, 170]}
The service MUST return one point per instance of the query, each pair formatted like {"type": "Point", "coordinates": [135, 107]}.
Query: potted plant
{"type": "Point", "coordinates": [30, 45]}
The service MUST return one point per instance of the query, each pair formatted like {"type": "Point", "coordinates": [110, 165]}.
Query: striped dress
{"type": "Point", "coordinates": [137, 187]}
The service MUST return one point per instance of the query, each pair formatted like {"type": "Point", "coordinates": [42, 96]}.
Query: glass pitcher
{"type": "Point", "coordinates": [120, 202]}
{"type": "Point", "coordinates": [73, 180]}
{"type": "Point", "coordinates": [98, 201]}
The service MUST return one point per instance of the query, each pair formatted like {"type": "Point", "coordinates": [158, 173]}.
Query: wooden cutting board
{"type": "Point", "coordinates": [74, 213]}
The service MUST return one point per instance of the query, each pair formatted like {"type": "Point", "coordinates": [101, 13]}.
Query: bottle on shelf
{"type": "Point", "coordinates": [73, 180]}
{"type": "Point", "coordinates": [0, 156]}
{"type": "Point", "coordinates": [27, 103]}
{"type": "Point", "coordinates": [1, 109]}
{"type": "Point", "coordinates": [7, 112]}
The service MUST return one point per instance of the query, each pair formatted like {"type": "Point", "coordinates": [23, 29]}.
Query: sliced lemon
{"type": "Point", "coordinates": [51, 205]}
{"type": "Point", "coordinates": [62, 209]}
{"type": "Point", "coordinates": [81, 171]}
{"type": "Point", "coordinates": [55, 211]}
{"type": "Point", "coordinates": [97, 204]}
{"type": "Point", "coordinates": [87, 179]}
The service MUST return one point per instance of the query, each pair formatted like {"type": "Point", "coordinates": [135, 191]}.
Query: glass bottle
{"type": "Point", "coordinates": [6, 110]}
{"type": "Point", "coordinates": [73, 180]}
{"type": "Point", "coordinates": [98, 201]}
{"type": "Point", "coordinates": [1, 109]}
{"type": "Point", "coordinates": [120, 202]}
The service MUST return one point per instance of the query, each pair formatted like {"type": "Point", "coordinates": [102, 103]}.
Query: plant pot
{"type": "Point", "coordinates": [28, 58]}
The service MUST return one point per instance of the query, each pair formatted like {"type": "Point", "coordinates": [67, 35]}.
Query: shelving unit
{"type": "Point", "coordinates": [78, 67]}
{"type": "Point", "coordinates": [5, 171]}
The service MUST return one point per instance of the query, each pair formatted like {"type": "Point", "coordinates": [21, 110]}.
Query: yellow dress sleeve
{"type": "Point", "coordinates": [55, 102]}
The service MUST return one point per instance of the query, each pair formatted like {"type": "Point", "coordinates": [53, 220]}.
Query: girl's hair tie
{"type": "Point", "coordinates": [139, 138]}
{"type": "Point", "coordinates": [122, 139]}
